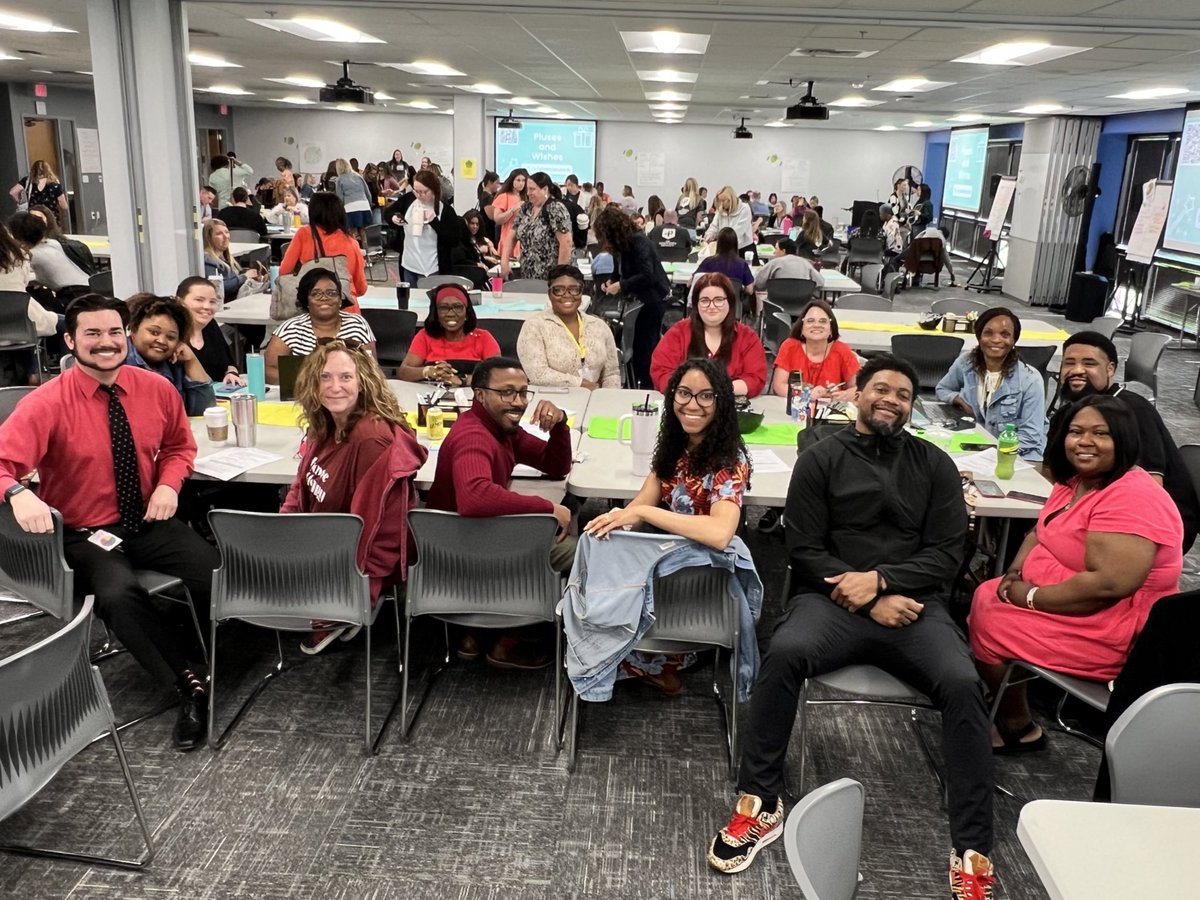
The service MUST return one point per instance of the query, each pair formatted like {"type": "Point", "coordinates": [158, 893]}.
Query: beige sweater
{"type": "Point", "coordinates": [550, 357]}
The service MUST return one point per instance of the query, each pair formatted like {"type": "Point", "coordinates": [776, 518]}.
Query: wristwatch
{"type": "Point", "coordinates": [13, 490]}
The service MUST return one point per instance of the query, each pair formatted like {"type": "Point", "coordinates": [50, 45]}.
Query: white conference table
{"type": "Point", "coordinates": [834, 282]}
{"type": "Point", "coordinates": [255, 309]}
{"type": "Point", "coordinates": [101, 249]}
{"type": "Point", "coordinates": [1110, 851]}
{"type": "Point", "coordinates": [878, 327]}
{"type": "Point", "coordinates": [605, 469]}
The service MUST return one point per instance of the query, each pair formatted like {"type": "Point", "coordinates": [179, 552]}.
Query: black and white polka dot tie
{"type": "Point", "coordinates": [125, 468]}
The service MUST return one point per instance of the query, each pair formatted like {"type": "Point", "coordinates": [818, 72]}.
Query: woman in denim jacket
{"type": "Point", "coordinates": [991, 383]}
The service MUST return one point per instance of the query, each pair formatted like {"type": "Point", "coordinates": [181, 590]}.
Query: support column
{"type": "Point", "coordinates": [469, 136]}
{"type": "Point", "coordinates": [147, 130]}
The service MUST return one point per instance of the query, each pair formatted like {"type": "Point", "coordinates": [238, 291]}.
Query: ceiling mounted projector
{"type": "Point", "coordinates": [508, 121]}
{"type": "Point", "coordinates": [742, 133]}
{"type": "Point", "coordinates": [808, 108]}
{"type": "Point", "coordinates": [345, 90]}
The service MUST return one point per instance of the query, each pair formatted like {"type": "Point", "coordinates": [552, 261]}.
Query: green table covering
{"type": "Point", "coordinates": [605, 428]}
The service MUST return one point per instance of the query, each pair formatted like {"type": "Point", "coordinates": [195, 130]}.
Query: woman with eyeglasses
{"type": "Point", "coordinates": [712, 331]}
{"type": "Point", "coordinates": [320, 295]}
{"type": "Point", "coordinates": [359, 456]}
{"type": "Point", "coordinates": [828, 366]}
{"type": "Point", "coordinates": [562, 346]}
{"type": "Point", "coordinates": [542, 228]}
{"type": "Point", "coordinates": [698, 475]}
{"type": "Point", "coordinates": [450, 333]}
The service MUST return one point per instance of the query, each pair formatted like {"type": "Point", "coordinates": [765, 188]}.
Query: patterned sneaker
{"type": "Point", "coordinates": [972, 877]}
{"type": "Point", "coordinates": [750, 829]}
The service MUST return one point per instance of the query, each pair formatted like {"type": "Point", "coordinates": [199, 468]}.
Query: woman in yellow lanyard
{"type": "Point", "coordinates": [562, 346]}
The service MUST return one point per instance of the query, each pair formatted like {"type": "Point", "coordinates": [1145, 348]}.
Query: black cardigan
{"type": "Point", "coordinates": [455, 246]}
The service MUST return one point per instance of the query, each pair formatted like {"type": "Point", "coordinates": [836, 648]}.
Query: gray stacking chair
{"type": "Point", "coordinates": [245, 236]}
{"type": "Point", "coordinates": [527, 286]}
{"type": "Point", "coordinates": [432, 281]}
{"type": "Point", "coordinates": [505, 331]}
{"type": "Point", "coordinates": [1094, 693]}
{"type": "Point", "coordinates": [281, 571]}
{"type": "Point", "coordinates": [481, 573]}
{"type": "Point", "coordinates": [16, 331]}
{"type": "Point", "coordinates": [823, 839]}
{"type": "Point", "coordinates": [693, 610]}
{"type": "Point", "coordinates": [1106, 325]}
{"type": "Point", "coordinates": [930, 354]}
{"type": "Point", "coordinates": [625, 347]}
{"type": "Point", "coordinates": [52, 706]}
{"type": "Point", "coordinates": [393, 330]}
{"type": "Point", "coordinates": [10, 397]}
{"type": "Point", "coordinates": [1154, 748]}
{"type": "Point", "coordinates": [790, 294]}
{"type": "Point", "coordinates": [1141, 366]}
{"type": "Point", "coordinates": [958, 306]}
{"type": "Point", "coordinates": [870, 302]}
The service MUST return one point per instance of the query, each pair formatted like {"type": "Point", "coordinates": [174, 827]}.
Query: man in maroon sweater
{"type": "Point", "coordinates": [475, 466]}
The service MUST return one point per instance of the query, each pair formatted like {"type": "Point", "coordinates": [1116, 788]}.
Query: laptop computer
{"type": "Point", "coordinates": [289, 368]}
{"type": "Point", "coordinates": [928, 412]}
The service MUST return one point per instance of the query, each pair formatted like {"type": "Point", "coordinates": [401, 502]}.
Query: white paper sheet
{"type": "Point", "coordinates": [983, 463]}
{"type": "Point", "coordinates": [232, 462]}
{"type": "Point", "coordinates": [765, 461]}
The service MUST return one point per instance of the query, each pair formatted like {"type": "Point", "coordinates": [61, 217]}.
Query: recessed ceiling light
{"type": "Point", "coordinates": [967, 117]}
{"type": "Point", "coordinates": [443, 112]}
{"type": "Point", "coordinates": [885, 128]}
{"type": "Point", "coordinates": [1039, 109]}
{"type": "Point", "coordinates": [211, 61]}
{"type": "Point", "coordinates": [560, 116]}
{"type": "Point", "coordinates": [232, 89]}
{"type": "Point", "coordinates": [777, 124]}
{"type": "Point", "coordinates": [669, 107]}
{"type": "Point", "coordinates": [380, 95]}
{"type": "Point", "coordinates": [921, 124]}
{"type": "Point", "coordinates": [545, 110]}
{"type": "Point", "coordinates": [482, 87]}
{"type": "Point", "coordinates": [665, 41]}
{"type": "Point", "coordinates": [756, 97]}
{"type": "Point", "coordinates": [316, 29]}
{"type": "Point", "coordinates": [418, 104]}
{"type": "Point", "coordinates": [670, 76]}
{"type": "Point", "coordinates": [1150, 93]}
{"type": "Point", "coordinates": [426, 67]}
{"type": "Point", "coordinates": [668, 95]}
{"type": "Point", "coordinates": [523, 101]}
{"type": "Point", "coordinates": [295, 101]}
{"type": "Point", "coordinates": [912, 85]}
{"type": "Point", "coordinates": [304, 81]}
{"type": "Point", "coordinates": [11, 21]}
{"type": "Point", "coordinates": [855, 102]}
{"type": "Point", "coordinates": [77, 71]}
{"type": "Point", "coordinates": [668, 117]}
{"type": "Point", "coordinates": [348, 107]}
{"type": "Point", "coordinates": [1019, 53]}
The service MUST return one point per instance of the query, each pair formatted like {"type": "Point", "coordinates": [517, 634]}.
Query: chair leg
{"type": "Point", "coordinates": [802, 714]}
{"type": "Point", "coordinates": [147, 837]}
{"type": "Point", "coordinates": [407, 721]}
{"type": "Point", "coordinates": [216, 743]}
{"type": "Point", "coordinates": [928, 751]}
{"type": "Point", "coordinates": [1074, 732]}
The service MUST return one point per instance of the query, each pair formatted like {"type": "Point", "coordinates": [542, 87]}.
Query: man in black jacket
{"type": "Point", "coordinates": [1089, 362]}
{"type": "Point", "coordinates": [875, 525]}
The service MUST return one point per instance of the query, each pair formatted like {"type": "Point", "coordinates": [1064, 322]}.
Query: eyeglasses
{"type": "Point", "coordinates": [683, 397]}
{"type": "Point", "coordinates": [713, 301]}
{"type": "Point", "coordinates": [563, 290]}
{"type": "Point", "coordinates": [452, 307]}
{"type": "Point", "coordinates": [508, 395]}
{"type": "Point", "coordinates": [332, 294]}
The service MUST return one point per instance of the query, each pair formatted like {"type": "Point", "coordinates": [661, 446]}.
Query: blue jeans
{"type": "Point", "coordinates": [411, 277]}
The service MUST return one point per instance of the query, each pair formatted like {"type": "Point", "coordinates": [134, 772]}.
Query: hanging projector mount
{"type": "Point", "coordinates": [346, 89]}
{"type": "Point", "coordinates": [743, 133]}
{"type": "Point", "coordinates": [808, 107]}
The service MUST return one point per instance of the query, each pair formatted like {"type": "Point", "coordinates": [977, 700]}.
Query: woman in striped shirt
{"type": "Point", "coordinates": [321, 297]}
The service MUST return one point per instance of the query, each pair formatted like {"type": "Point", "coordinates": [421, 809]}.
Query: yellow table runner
{"type": "Point", "coordinates": [1056, 335]}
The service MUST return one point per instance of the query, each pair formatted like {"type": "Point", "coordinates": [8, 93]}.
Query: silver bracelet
{"type": "Point", "coordinates": [1029, 598]}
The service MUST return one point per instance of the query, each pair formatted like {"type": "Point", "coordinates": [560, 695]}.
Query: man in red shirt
{"type": "Point", "coordinates": [475, 466]}
{"type": "Point", "coordinates": [103, 436]}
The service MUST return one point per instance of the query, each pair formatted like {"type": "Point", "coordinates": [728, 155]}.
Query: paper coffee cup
{"type": "Point", "coordinates": [216, 418]}
{"type": "Point", "coordinates": [417, 224]}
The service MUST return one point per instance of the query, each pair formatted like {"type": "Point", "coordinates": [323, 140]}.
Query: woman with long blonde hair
{"type": "Point", "coordinates": [41, 187]}
{"type": "Point", "coordinates": [688, 206]}
{"type": "Point", "coordinates": [730, 212]}
{"type": "Point", "coordinates": [359, 456]}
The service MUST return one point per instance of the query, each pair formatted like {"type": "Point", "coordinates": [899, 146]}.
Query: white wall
{"type": "Point", "coordinates": [263, 134]}
{"type": "Point", "coordinates": [844, 166]}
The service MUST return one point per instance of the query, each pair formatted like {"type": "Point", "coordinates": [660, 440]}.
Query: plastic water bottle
{"type": "Point", "coordinates": [1006, 452]}
{"type": "Point", "coordinates": [256, 375]}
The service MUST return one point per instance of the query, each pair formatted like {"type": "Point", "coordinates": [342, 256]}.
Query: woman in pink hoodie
{"type": "Point", "coordinates": [360, 457]}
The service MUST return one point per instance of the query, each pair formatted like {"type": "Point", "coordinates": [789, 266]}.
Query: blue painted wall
{"type": "Point", "coordinates": [937, 146]}
{"type": "Point", "coordinates": [1113, 146]}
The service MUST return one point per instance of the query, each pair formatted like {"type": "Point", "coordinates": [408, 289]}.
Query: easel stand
{"type": "Point", "coordinates": [988, 265]}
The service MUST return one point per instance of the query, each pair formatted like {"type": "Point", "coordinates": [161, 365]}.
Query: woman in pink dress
{"type": "Point", "coordinates": [1106, 547]}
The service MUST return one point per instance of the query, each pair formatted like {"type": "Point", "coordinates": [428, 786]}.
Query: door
{"type": "Point", "coordinates": [42, 142]}
{"type": "Point", "coordinates": [210, 142]}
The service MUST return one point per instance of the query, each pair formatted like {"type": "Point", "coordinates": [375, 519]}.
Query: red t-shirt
{"type": "Point", "coordinates": [839, 366]}
{"type": "Point", "coordinates": [477, 345]}
{"type": "Point", "coordinates": [329, 473]}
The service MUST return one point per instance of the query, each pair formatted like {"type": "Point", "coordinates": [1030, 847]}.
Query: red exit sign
{"type": "Point", "coordinates": [39, 90]}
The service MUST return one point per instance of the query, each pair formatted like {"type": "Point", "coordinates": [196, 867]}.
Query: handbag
{"type": "Point", "coordinates": [283, 293]}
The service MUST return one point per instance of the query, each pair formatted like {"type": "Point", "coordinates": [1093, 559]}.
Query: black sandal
{"type": "Point", "coordinates": [1013, 745]}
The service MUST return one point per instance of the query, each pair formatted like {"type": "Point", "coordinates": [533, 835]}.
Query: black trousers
{"type": "Point", "coordinates": [646, 332]}
{"type": "Point", "coordinates": [156, 631]}
{"type": "Point", "coordinates": [816, 636]}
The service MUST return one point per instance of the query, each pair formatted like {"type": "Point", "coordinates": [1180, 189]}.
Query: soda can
{"type": "Point", "coordinates": [435, 424]}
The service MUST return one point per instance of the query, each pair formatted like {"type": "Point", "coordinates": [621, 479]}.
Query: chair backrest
{"type": "Point", "coordinates": [777, 328]}
{"type": "Point", "coordinates": [102, 282]}
{"type": "Point", "coordinates": [527, 286]}
{"type": "Point", "coordinates": [1145, 351]}
{"type": "Point", "coordinates": [1154, 748]}
{"type": "Point", "coordinates": [374, 238]}
{"type": "Point", "coordinates": [52, 705]}
{"type": "Point", "coordinates": [32, 566]}
{"type": "Point", "coordinates": [10, 397]}
{"type": "Point", "coordinates": [865, 249]}
{"type": "Point", "coordinates": [291, 567]}
{"type": "Point", "coordinates": [692, 607]}
{"type": "Point", "coordinates": [790, 294]}
{"type": "Point", "coordinates": [494, 568]}
{"type": "Point", "coordinates": [66, 361]}
{"type": "Point", "coordinates": [959, 307]}
{"type": "Point", "coordinates": [393, 330]}
{"type": "Point", "coordinates": [870, 278]}
{"type": "Point", "coordinates": [1038, 357]}
{"type": "Point", "coordinates": [15, 327]}
{"type": "Point", "coordinates": [930, 354]}
{"type": "Point", "coordinates": [432, 281]}
{"type": "Point", "coordinates": [505, 331]}
{"type": "Point", "coordinates": [924, 256]}
{"type": "Point", "coordinates": [1105, 325]}
{"type": "Point", "coordinates": [823, 840]}
{"type": "Point", "coordinates": [477, 276]}
{"type": "Point", "coordinates": [244, 236]}
{"type": "Point", "coordinates": [863, 301]}
{"type": "Point", "coordinates": [628, 326]}
{"type": "Point", "coordinates": [891, 284]}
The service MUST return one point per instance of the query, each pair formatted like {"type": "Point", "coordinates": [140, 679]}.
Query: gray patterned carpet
{"type": "Point", "coordinates": [476, 805]}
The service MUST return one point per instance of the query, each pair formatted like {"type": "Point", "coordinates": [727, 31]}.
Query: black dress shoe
{"type": "Point", "coordinates": [192, 723]}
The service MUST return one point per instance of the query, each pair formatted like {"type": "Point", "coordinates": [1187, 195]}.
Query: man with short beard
{"type": "Point", "coordinates": [875, 525]}
{"type": "Point", "coordinates": [1089, 364]}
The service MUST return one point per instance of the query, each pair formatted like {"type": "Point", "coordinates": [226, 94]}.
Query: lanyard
{"type": "Point", "coordinates": [581, 344]}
